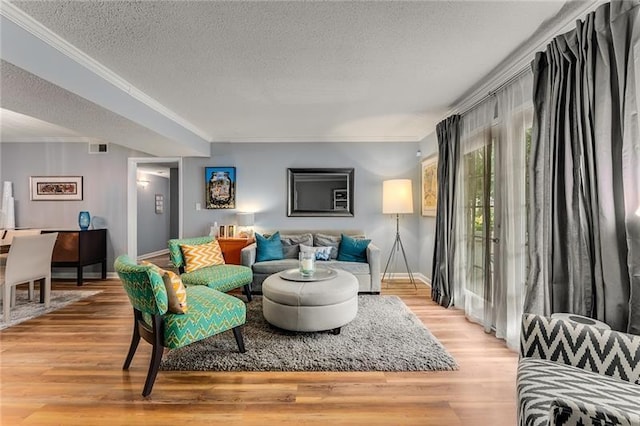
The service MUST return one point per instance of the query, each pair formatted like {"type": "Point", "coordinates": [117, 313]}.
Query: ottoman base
{"type": "Point", "coordinates": [310, 318]}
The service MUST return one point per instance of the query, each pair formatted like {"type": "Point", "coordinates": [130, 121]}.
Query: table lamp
{"type": "Point", "coordinates": [245, 224]}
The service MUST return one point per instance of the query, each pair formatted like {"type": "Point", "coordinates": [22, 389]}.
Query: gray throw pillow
{"type": "Point", "coordinates": [326, 240]}
{"type": "Point", "coordinates": [291, 244]}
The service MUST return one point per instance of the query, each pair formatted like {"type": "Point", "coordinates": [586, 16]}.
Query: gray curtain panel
{"type": "Point", "coordinates": [584, 235]}
{"type": "Point", "coordinates": [448, 132]}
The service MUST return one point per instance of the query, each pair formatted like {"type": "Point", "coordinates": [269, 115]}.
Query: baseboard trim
{"type": "Point", "coordinates": [85, 275]}
{"type": "Point", "coordinates": [418, 277]}
{"type": "Point", "coordinates": [153, 254]}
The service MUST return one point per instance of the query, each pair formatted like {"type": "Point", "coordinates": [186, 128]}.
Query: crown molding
{"type": "Point", "coordinates": [311, 139]}
{"type": "Point", "coordinates": [26, 22]}
{"type": "Point", "coordinates": [524, 54]}
{"type": "Point", "coordinates": [40, 139]}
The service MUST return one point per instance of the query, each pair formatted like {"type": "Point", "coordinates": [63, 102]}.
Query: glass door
{"type": "Point", "coordinates": [479, 181]}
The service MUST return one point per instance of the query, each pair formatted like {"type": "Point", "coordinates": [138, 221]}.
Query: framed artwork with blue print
{"type": "Point", "coordinates": [220, 187]}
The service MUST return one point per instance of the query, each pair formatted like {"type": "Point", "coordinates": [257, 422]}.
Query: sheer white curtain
{"type": "Point", "coordinates": [475, 135]}
{"type": "Point", "coordinates": [491, 289]}
{"type": "Point", "coordinates": [512, 139]}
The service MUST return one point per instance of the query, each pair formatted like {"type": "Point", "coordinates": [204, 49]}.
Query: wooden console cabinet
{"type": "Point", "coordinates": [231, 248]}
{"type": "Point", "coordinates": [80, 248]}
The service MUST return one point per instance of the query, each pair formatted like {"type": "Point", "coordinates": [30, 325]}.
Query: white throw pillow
{"type": "Point", "coordinates": [321, 253]}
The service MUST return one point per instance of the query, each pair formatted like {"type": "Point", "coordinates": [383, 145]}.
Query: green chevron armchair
{"type": "Point", "coordinates": [209, 312]}
{"type": "Point", "coordinates": [224, 277]}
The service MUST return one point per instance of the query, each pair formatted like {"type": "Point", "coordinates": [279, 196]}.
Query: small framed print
{"type": "Point", "coordinates": [222, 231]}
{"type": "Point", "coordinates": [56, 188]}
{"type": "Point", "coordinates": [159, 203]}
{"type": "Point", "coordinates": [231, 231]}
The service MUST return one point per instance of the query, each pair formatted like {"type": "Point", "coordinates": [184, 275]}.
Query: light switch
{"type": "Point", "coordinates": [198, 206]}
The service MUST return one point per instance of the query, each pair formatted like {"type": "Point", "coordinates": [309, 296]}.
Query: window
{"type": "Point", "coordinates": [479, 214]}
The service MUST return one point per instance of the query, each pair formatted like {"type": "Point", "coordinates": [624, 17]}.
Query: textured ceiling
{"type": "Point", "coordinates": [302, 70]}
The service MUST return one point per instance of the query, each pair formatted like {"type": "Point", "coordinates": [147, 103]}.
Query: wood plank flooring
{"type": "Point", "coordinates": [65, 368]}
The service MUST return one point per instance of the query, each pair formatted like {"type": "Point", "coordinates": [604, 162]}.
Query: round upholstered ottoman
{"type": "Point", "coordinates": [310, 306]}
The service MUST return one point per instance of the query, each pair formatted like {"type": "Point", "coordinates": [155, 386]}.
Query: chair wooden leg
{"type": "Point", "coordinates": [6, 302]}
{"type": "Point", "coordinates": [247, 292]}
{"type": "Point", "coordinates": [156, 356]}
{"type": "Point", "coordinates": [154, 366]}
{"type": "Point", "coordinates": [47, 291]}
{"type": "Point", "coordinates": [31, 291]}
{"type": "Point", "coordinates": [135, 339]}
{"type": "Point", "coordinates": [237, 333]}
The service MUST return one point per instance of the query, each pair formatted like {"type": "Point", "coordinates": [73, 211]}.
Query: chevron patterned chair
{"type": "Point", "coordinates": [209, 312]}
{"type": "Point", "coordinates": [576, 374]}
{"type": "Point", "coordinates": [218, 277]}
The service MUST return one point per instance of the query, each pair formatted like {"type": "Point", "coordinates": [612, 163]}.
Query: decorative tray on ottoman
{"type": "Point", "coordinates": [321, 274]}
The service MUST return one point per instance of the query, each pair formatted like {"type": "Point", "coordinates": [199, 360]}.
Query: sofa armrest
{"type": "Point", "coordinates": [564, 412]}
{"type": "Point", "coordinates": [606, 352]}
{"type": "Point", "coordinates": [374, 260]}
{"type": "Point", "coordinates": [248, 255]}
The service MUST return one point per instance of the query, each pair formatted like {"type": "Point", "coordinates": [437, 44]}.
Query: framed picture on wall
{"type": "Point", "coordinates": [220, 187]}
{"type": "Point", "coordinates": [429, 185]}
{"type": "Point", "coordinates": [159, 203]}
{"type": "Point", "coordinates": [56, 188]}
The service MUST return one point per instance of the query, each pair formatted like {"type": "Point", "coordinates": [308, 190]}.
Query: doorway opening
{"type": "Point", "coordinates": [154, 207]}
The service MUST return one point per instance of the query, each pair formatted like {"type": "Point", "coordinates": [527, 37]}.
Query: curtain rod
{"type": "Point", "coordinates": [501, 86]}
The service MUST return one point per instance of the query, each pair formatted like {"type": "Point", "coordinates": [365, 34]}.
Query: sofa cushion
{"type": "Point", "coordinates": [274, 266]}
{"type": "Point", "coordinates": [201, 255]}
{"type": "Point", "coordinates": [540, 382]}
{"type": "Point", "coordinates": [356, 268]}
{"type": "Point", "coordinates": [291, 244]}
{"type": "Point", "coordinates": [269, 248]}
{"type": "Point", "coordinates": [352, 249]}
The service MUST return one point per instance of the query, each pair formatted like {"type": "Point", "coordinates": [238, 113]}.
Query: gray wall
{"type": "Point", "coordinates": [105, 188]}
{"type": "Point", "coordinates": [153, 228]}
{"type": "Point", "coordinates": [174, 188]}
{"type": "Point", "coordinates": [261, 170]}
{"type": "Point", "coordinates": [261, 184]}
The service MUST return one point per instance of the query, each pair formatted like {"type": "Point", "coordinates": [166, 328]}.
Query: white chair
{"type": "Point", "coordinates": [29, 260]}
{"type": "Point", "coordinates": [7, 238]}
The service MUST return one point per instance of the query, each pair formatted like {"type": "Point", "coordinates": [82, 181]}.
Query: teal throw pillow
{"type": "Point", "coordinates": [269, 248]}
{"type": "Point", "coordinates": [352, 249]}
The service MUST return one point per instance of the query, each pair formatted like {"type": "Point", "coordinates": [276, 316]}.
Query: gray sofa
{"type": "Point", "coordinates": [368, 274]}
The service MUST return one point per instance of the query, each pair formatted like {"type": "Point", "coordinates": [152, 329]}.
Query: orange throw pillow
{"type": "Point", "coordinates": [176, 292]}
{"type": "Point", "coordinates": [201, 255]}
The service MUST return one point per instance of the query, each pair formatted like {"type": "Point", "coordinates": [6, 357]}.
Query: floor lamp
{"type": "Point", "coordinates": [397, 198]}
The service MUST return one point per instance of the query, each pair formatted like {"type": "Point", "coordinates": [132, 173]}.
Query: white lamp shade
{"type": "Point", "coordinates": [397, 196]}
{"type": "Point", "coordinates": [245, 219]}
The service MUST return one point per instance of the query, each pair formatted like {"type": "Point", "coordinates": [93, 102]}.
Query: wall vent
{"type": "Point", "coordinates": [98, 148]}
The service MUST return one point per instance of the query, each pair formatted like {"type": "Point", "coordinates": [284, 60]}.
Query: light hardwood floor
{"type": "Point", "coordinates": [65, 368]}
